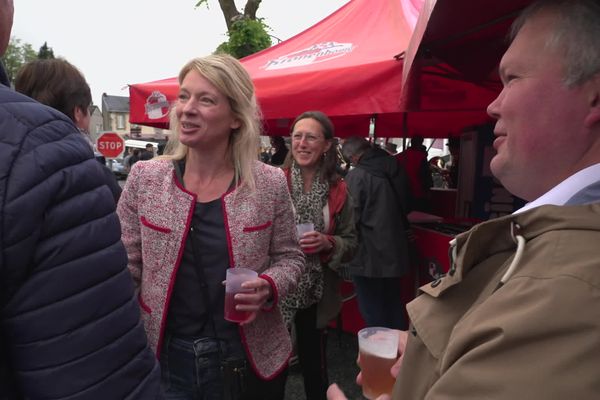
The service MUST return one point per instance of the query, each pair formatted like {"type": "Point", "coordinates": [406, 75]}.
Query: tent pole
{"type": "Point", "coordinates": [404, 129]}
{"type": "Point", "coordinates": [373, 134]}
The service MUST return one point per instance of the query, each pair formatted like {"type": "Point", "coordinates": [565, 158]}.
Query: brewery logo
{"type": "Point", "coordinates": [316, 53]}
{"type": "Point", "coordinates": [157, 105]}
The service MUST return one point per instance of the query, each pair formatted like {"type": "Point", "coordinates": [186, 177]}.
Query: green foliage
{"type": "Point", "coordinates": [16, 55]}
{"type": "Point", "coordinates": [45, 52]}
{"type": "Point", "coordinates": [246, 36]}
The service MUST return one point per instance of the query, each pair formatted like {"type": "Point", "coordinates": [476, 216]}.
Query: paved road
{"type": "Point", "coordinates": [341, 356]}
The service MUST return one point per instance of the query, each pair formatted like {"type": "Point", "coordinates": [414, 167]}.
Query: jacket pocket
{"type": "Point", "coordinates": [258, 227]}
{"type": "Point", "coordinates": [150, 225]}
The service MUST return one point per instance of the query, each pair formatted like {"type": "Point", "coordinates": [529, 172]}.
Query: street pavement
{"type": "Point", "coordinates": [342, 350]}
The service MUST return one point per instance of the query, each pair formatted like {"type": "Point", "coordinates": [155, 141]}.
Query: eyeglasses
{"type": "Point", "coordinates": [308, 137]}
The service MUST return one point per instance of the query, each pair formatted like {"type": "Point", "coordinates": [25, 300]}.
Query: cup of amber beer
{"type": "Point", "coordinates": [378, 348]}
{"type": "Point", "coordinates": [233, 284]}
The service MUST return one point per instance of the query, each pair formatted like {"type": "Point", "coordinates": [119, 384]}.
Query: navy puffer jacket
{"type": "Point", "coordinates": [69, 323]}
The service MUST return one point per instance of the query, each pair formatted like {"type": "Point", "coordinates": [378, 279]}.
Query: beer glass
{"type": "Point", "coordinates": [233, 284]}
{"type": "Point", "coordinates": [378, 348]}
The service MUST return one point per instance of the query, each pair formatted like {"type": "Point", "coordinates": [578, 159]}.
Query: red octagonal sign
{"type": "Point", "coordinates": [110, 145]}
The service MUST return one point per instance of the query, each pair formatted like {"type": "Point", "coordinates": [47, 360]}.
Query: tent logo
{"type": "Point", "coordinates": [314, 54]}
{"type": "Point", "coordinates": [157, 105]}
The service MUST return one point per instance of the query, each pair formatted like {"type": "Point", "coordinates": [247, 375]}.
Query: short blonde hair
{"type": "Point", "coordinates": [231, 79]}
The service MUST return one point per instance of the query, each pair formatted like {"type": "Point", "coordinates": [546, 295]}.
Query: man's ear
{"type": "Point", "coordinates": [593, 117]}
{"type": "Point", "coordinates": [78, 115]}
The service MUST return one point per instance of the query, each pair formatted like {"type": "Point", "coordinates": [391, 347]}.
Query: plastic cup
{"type": "Point", "coordinates": [378, 348]}
{"type": "Point", "coordinates": [233, 284]}
{"type": "Point", "coordinates": [304, 228]}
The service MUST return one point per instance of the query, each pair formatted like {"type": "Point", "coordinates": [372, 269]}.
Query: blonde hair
{"type": "Point", "coordinates": [231, 79]}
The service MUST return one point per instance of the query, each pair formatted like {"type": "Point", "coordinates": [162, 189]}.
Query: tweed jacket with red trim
{"type": "Point", "coordinates": [155, 213]}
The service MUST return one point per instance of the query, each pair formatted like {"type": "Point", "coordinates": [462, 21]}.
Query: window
{"type": "Point", "coordinates": [120, 121]}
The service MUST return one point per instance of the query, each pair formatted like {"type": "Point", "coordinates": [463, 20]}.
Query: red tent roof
{"type": "Point", "coordinates": [345, 66]}
{"type": "Point", "coordinates": [459, 42]}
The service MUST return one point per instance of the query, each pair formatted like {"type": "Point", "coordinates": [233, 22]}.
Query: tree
{"type": "Point", "coordinates": [247, 34]}
{"type": "Point", "coordinates": [45, 52]}
{"type": "Point", "coordinates": [17, 54]}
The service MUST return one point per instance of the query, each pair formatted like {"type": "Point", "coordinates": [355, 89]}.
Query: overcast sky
{"type": "Point", "coordinates": [117, 42]}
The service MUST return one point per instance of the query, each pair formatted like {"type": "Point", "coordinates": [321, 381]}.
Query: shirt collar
{"type": "Point", "coordinates": [562, 192]}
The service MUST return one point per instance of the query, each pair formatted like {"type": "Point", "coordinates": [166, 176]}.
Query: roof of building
{"type": "Point", "coordinates": [115, 103]}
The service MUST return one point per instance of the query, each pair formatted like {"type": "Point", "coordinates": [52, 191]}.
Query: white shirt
{"type": "Point", "coordinates": [562, 192]}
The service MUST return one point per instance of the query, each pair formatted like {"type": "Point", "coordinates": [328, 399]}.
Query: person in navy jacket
{"type": "Point", "coordinates": [69, 323]}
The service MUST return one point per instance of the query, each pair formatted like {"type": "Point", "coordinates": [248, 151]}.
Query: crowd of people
{"type": "Point", "coordinates": [119, 295]}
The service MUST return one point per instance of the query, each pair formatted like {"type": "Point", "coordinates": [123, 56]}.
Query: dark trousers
{"type": "Point", "coordinates": [379, 301]}
{"type": "Point", "coordinates": [310, 347]}
{"type": "Point", "coordinates": [190, 370]}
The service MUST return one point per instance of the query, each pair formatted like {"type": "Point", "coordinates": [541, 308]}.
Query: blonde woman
{"type": "Point", "coordinates": [206, 206]}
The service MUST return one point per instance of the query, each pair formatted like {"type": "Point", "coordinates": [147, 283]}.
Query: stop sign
{"type": "Point", "coordinates": [110, 145]}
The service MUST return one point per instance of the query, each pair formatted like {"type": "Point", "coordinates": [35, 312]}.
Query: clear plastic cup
{"type": "Point", "coordinates": [378, 348]}
{"type": "Point", "coordinates": [233, 284]}
{"type": "Point", "coordinates": [304, 228]}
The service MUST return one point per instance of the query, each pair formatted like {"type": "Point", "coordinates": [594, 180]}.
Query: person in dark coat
{"type": "Point", "coordinates": [148, 152]}
{"type": "Point", "coordinates": [69, 321]}
{"type": "Point", "coordinates": [281, 150]}
{"type": "Point", "coordinates": [379, 189]}
{"type": "Point", "coordinates": [414, 161]}
{"type": "Point", "coordinates": [59, 84]}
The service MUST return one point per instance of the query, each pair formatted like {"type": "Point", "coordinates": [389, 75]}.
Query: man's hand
{"type": "Point", "coordinates": [335, 393]}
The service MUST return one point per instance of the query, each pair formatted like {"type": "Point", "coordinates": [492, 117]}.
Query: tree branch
{"type": "Point", "coordinates": [250, 8]}
{"type": "Point", "coordinates": [230, 11]}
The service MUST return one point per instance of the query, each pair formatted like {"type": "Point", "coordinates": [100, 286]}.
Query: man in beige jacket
{"type": "Point", "coordinates": [518, 314]}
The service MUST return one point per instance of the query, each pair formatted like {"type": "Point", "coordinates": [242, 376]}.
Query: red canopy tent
{"type": "Point", "coordinates": [459, 41]}
{"type": "Point", "coordinates": [349, 66]}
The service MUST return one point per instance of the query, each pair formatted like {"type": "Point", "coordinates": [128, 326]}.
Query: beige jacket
{"type": "Point", "coordinates": [535, 337]}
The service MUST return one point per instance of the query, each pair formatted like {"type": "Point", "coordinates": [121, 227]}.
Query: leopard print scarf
{"type": "Point", "coordinates": [308, 208]}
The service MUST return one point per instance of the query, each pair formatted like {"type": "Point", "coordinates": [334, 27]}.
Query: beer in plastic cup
{"type": "Point", "coordinates": [233, 284]}
{"type": "Point", "coordinates": [378, 349]}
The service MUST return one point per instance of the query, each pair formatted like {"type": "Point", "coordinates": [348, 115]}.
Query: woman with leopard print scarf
{"type": "Point", "coordinates": [319, 196]}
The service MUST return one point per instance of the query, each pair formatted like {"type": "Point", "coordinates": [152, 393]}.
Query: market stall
{"type": "Point", "coordinates": [349, 66]}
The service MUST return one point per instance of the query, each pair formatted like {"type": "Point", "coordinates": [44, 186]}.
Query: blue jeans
{"type": "Point", "coordinates": [190, 370]}
{"type": "Point", "coordinates": [379, 301]}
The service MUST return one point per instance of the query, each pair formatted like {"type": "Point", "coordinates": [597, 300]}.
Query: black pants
{"type": "Point", "coordinates": [310, 346]}
{"type": "Point", "coordinates": [379, 302]}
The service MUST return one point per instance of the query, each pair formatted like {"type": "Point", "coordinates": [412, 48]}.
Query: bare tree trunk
{"type": "Point", "coordinates": [230, 12]}
{"type": "Point", "coordinates": [250, 8]}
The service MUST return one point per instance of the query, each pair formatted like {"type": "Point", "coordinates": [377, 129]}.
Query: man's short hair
{"type": "Point", "coordinates": [576, 34]}
{"type": "Point", "coordinates": [354, 146]}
